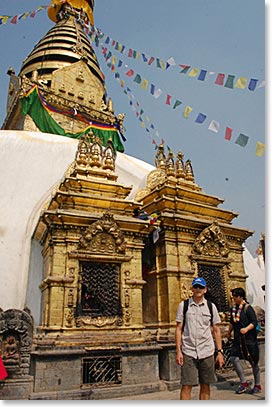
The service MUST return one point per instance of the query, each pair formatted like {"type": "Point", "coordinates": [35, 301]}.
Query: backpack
{"type": "Point", "coordinates": [185, 309]}
{"type": "Point", "coordinates": [258, 326]}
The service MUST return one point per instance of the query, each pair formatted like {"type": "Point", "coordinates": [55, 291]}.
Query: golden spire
{"type": "Point", "coordinates": [83, 5]}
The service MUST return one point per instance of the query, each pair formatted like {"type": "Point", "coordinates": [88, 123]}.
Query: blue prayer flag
{"type": "Point", "coordinates": [201, 118]}
{"type": "Point", "coordinates": [252, 84]}
{"type": "Point", "coordinates": [202, 75]}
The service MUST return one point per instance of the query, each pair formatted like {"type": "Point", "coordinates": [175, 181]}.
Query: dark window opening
{"type": "Point", "coordinates": [148, 256]}
{"type": "Point", "coordinates": [100, 293]}
{"type": "Point", "coordinates": [216, 289]}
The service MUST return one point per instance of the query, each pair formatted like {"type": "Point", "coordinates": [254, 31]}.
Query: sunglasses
{"type": "Point", "coordinates": [198, 286]}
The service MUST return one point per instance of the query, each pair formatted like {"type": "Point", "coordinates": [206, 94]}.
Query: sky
{"type": "Point", "coordinates": [216, 36]}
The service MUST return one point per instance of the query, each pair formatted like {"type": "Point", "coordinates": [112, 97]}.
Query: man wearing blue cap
{"type": "Point", "coordinates": [196, 341]}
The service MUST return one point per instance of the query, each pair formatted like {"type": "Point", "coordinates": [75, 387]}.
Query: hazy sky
{"type": "Point", "coordinates": [217, 36]}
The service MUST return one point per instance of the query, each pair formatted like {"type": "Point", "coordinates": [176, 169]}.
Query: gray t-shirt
{"type": "Point", "coordinates": [197, 339]}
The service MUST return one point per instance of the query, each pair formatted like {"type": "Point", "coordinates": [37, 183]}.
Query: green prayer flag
{"type": "Point", "coordinates": [229, 82]}
{"type": "Point", "coordinates": [177, 103]}
{"type": "Point", "coordinates": [242, 140]}
{"type": "Point", "coordinates": [137, 78]}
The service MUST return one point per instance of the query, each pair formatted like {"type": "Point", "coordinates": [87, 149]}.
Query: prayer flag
{"type": "Point", "coordinates": [260, 149]}
{"type": "Point", "coordinates": [241, 83]}
{"type": "Point", "coordinates": [137, 78]}
{"type": "Point", "coordinates": [24, 16]}
{"type": "Point", "coordinates": [14, 20]}
{"type": "Point", "coordinates": [228, 133]}
{"type": "Point", "coordinates": [144, 84]}
{"type": "Point", "coordinates": [187, 111]}
{"type": "Point", "coordinates": [130, 53]}
{"type": "Point", "coordinates": [120, 63]}
{"type": "Point", "coordinates": [144, 58]}
{"type": "Point", "coordinates": [193, 72]}
{"type": "Point", "coordinates": [220, 79]}
{"type": "Point", "coordinates": [252, 84]}
{"type": "Point", "coordinates": [177, 103]}
{"type": "Point", "coordinates": [4, 19]}
{"type": "Point", "coordinates": [185, 68]}
{"type": "Point", "coordinates": [152, 89]}
{"type": "Point", "coordinates": [152, 59]}
{"type": "Point", "coordinates": [168, 99]}
{"type": "Point", "coordinates": [158, 63]}
{"type": "Point", "coordinates": [107, 41]}
{"type": "Point", "coordinates": [33, 13]}
{"type": "Point", "coordinates": [202, 75]}
{"type": "Point", "coordinates": [214, 126]}
{"type": "Point", "coordinates": [242, 140]}
{"type": "Point", "coordinates": [130, 72]}
{"type": "Point", "coordinates": [201, 118]}
{"type": "Point", "coordinates": [171, 61]}
{"type": "Point", "coordinates": [157, 93]}
{"type": "Point", "coordinates": [229, 81]}
{"type": "Point", "coordinates": [261, 85]}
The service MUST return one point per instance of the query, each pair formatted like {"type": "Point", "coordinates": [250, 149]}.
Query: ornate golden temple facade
{"type": "Point", "coordinates": [114, 268]}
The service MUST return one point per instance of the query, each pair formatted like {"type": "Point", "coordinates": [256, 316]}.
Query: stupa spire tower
{"type": "Point", "coordinates": [67, 78]}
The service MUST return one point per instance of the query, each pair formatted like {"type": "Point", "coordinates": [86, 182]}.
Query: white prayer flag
{"type": "Point", "coordinates": [214, 126]}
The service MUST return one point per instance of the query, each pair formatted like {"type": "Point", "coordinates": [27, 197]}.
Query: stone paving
{"type": "Point", "coordinates": [224, 389]}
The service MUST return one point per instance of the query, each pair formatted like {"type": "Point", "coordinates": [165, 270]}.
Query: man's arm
{"type": "Point", "coordinates": [218, 344]}
{"type": "Point", "coordinates": [178, 339]}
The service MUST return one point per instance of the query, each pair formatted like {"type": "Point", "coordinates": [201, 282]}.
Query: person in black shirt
{"type": "Point", "coordinates": [243, 322]}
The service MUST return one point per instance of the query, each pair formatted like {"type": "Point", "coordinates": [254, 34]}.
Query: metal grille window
{"type": "Point", "coordinates": [216, 288]}
{"type": "Point", "coordinates": [102, 370]}
{"type": "Point", "coordinates": [100, 290]}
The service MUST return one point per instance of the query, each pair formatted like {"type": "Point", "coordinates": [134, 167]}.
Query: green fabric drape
{"type": "Point", "coordinates": [32, 105]}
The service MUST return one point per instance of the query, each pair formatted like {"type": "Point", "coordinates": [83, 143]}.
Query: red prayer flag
{"type": "Point", "coordinates": [130, 53]}
{"type": "Point", "coordinates": [228, 133]}
{"type": "Point", "coordinates": [130, 72]}
{"type": "Point", "coordinates": [152, 59]}
{"type": "Point", "coordinates": [220, 79]}
{"type": "Point", "coordinates": [33, 13]}
{"type": "Point", "coordinates": [168, 99]}
{"type": "Point", "coordinates": [14, 20]}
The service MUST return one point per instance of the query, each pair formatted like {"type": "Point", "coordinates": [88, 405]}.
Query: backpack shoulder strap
{"type": "Point", "coordinates": [211, 310]}
{"type": "Point", "coordinates": [185, 309]}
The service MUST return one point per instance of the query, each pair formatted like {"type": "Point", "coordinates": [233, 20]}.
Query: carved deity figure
{"type": "Point", "coordinates": [10, 351]}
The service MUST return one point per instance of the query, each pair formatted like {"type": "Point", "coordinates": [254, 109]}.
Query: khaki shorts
{"type": "Point", "coordinates": [197, 371]}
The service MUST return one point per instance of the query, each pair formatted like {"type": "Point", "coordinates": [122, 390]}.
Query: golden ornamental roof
{"type": "Point", "coordinates": [84, 5]}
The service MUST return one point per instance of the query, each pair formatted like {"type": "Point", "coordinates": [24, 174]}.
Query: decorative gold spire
{"type": "Point", "coordinates": [85, 6]}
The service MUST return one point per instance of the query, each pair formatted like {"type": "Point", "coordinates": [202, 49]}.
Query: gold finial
{"type": "Point", "coordinates": [160, 159]}
{"type": "Point", "coordinates": [85, 6]}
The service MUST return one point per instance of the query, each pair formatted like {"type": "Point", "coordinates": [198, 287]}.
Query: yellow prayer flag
{"type": "Point", "coordinates": [187, 110]}
{"type": "Point", "coordinates": [25, 15]}
{"type": "Point", "coordinates": [260, 149]}
{"type": "Point", "coordinates": [142, 124]}
{"type": "Point", "coordinates": [122, 83]}
{"type": "Point", "coordinates": [163, 64]}
{"type": "Point", "coordinates": [241, 83]}
{"type": "Point", "coordinates": [4, 19]}
{"type": "Point", "coordinates": [193, 72]}
{"type": "Point", "coordinates": [144, 84]}
{"type": "Point", "coordinates": [137, 55]}
{"type": "Point", "coordinates": [114, 59]}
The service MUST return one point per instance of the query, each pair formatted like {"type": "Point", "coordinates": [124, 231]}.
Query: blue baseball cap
{"type": "Point", "coordinates": [200, 281]}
